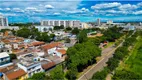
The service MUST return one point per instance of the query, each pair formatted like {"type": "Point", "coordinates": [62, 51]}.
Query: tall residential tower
{"type": "Point", "coordinates": [3, 21]}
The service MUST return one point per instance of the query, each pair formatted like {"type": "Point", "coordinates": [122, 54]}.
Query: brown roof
{"type": "Point", "coordinates": [48, 65]}
{"type": "Point", "coordinates": [38, 43]}
{"type": "Point", "coordinates": [62, 51]}
{"type": "Point", "coordinates": [5, 69]}
{"type": "Point", "coordinates": [15, 74]}
{"type": "Point", "coordinates": [51, 45]}
{"type": "Point", "coordinates": [6, 41]}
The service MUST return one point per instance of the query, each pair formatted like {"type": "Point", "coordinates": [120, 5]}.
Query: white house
{"type": "Point", "coordinates": [30, 64]}
{"type": "Point", "coordinates": [4, 59]}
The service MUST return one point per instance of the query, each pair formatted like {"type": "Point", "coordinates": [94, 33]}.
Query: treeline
{"type": "Point", "coordinates": [22, 24]}
{"type": "Point", "coordinates": [113, 62]}
{"type": "Point", "coordinates": [33, 33]}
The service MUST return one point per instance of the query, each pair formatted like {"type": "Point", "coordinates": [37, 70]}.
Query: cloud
{"type": "Point", "coordinates": [106, 5]}
{"type": "Point", "coordinates": [84, 10]}
{"type": "Point", "coordinates": [127, 7]}
{"type": "Point", "coordinates": [49, 7]}
{"type": "Point", "coordinates": [1, 9]}
{"type": "Point", "coordinates": [56, 13]}
{"type": "Point", "coordinates": [7, 9]}
{"type": "Point", "coordinates": [139, 4]}
{"type": "Point", "coordinates": [17, 10]}
{"type": "Point", "coordinates": [137, 12]}
{"type": "Point", "coordinates": [31, 9]}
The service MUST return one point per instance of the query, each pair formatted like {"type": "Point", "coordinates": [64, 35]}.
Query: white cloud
{"type": "Point", "coordinates": [18, 10]}
{"type": "Point", "coordinates": [85, 10]}
{"type": "Point", "coordinates": [7, 9]}
{"type": "Point", "coordinates": [56, 13]}
{"type": "Point", "coordinates": [1, 9]}
{"type": "Point", "coordinates": [106, 5]}
{"type": "Point", "coordinates": [127, 7]}
{"type": "Point", "coordinates": [137, 12]}
{"type": "Point", "coordinates": [139, 4]}
{"type": "Point", "coordinates": [49, 7]}
{"type": "Point", "coordinates": [31, 8]}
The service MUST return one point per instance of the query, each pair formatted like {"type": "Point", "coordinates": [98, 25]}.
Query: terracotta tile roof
{"type": "Point", "coordinates": [6, 41]}
{"type": "Point", "coordinates": [48, 65]}
{"type": "Point", "coordinates": [51, 45]}
{"type": "Point", "coordinates": [15, 74]}
{"type": "Point", "coordinates": [5, 69]}
{"type": "Point", "coordinates": [37, 43]}
{"type": "Point", "coordinates": [62, 51]}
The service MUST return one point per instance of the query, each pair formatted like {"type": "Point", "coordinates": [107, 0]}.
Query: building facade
{"type": "Point", "coordinates": [98, 21]}
{"type": "Point", "coordinates": [3, 21]}
{"type": "Point", "coordinates": [65, 23]}
{"type": "Point", "coordinates": [4, 59]}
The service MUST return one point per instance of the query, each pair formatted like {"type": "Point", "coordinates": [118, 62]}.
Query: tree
{"type": "Point", "coordinates": [126, 75]}
{"type": "Point", "coordinates": [68, 28]}
{"type": "Point", "coordinates": [75, 31]}
{"type": "Point", "coordinates": [52, 36]}
{"type": "Point", "coordinates": [24, 32]}
{"type": "Point", "coordinates": [38, 76]}
{"type": "Point", "coordinates": [12, 56]}
{"type": "Point", "coordinates": [57, 73]}
{"type": "Point", "coordinates": [62, 27]}
{"type": "Point", "coordinates": [77, 56]}
{"type": "Point", "coordinates": [67, 40]}
{"type": "Point", "coordinates": [100, 75]}
{"type": "Point", "coordinates": [71, 74]}
{"type": "Point", "coordinates": [45, 29]}
{"type": "Point", "coordinates": [112, 63]}
{"type": "Point", "coordinates": [82, 36]}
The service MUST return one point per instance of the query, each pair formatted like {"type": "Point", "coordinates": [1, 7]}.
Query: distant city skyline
{"type": "Point", "coordinates": [85, 11]}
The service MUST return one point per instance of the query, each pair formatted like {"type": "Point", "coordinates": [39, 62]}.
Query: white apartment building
{"type": "Point", "coordinates": [109, 22]}
{"type": "Point", "coordinates": [3, 21]}
{"type": "Point", "coordinates": [65, 23]}
{"type": "Point", "coordinates": [44, 28]}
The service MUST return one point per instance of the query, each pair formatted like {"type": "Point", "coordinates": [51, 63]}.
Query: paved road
{"type": "Point", "coordinates": [106, 54]}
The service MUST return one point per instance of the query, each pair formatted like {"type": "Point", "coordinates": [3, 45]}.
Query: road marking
{"type": "Point", "coordinates": [91, 68]}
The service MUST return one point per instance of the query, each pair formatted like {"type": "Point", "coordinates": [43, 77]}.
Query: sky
{"type": "Point", "coordinates": [83, 10]}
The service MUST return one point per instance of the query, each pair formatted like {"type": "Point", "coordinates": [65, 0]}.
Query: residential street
{"type": "Point", "coordinates": [106, 54]}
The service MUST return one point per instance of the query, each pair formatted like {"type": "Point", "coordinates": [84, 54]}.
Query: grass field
{"type": "Point", "coordinates": [133, 62]}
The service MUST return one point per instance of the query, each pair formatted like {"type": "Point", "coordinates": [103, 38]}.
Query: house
{"type": "Point", "coordinates": [4, 59]}
{"type": "Point", "coordinates": [37, 43]}
{"type": "Point", "coordinates": [17, 74]}
{"type": "Point", "coordinates": [57, 52]}
{"type": "Point", "coordinates": [52, 45]}
{"type": "Point", "coordinates": [48, 65]}
{"type": "Point", "coordinates": [61, 52]}
{"type": "Point", "coordinates": [30, 63]}
{"type": "Point", "coordinates": [1, 44]}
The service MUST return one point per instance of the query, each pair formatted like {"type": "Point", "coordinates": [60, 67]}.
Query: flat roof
{"type": "Point", "coordinates": [4, 54]}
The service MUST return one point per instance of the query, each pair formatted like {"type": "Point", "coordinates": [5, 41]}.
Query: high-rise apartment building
{"type": "Point", "coordinates": [3, 21]}
{"type": "Point", "coordinates": [65, 23]}
{"type": "Point", "coordinates": [98, 21]}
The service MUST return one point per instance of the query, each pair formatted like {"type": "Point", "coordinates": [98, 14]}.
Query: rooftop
{"type": "Point", "coordinates": [4, 54]}
{"type": "Point", "coordinates": [28, 59]}
{"type": "Point", "coordinates": [62, 51]}
{"type": "Point", "coordinates": [15, 74]}
{"type": "Point", "coordinates": [52, 45]}
{"type": "Point", "coordinates": [37, 43]}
